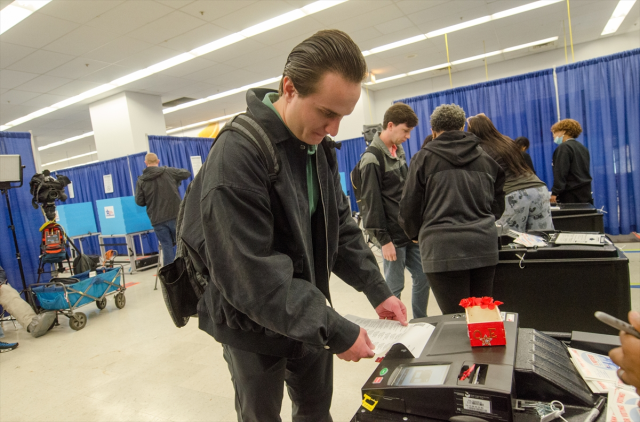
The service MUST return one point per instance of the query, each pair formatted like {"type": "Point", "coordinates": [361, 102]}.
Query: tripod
{"type": "Point", "coordinates": [4, 187]}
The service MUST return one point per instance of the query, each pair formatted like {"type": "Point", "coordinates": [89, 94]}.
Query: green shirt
{"type": "Point", "coordinates": [313, 187]}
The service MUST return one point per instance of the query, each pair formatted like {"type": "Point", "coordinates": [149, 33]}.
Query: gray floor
{"type": "Point", "coordinates": [134, 365]}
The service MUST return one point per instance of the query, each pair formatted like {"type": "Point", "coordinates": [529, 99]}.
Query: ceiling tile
{"type": "Point", "coordinates": [9, 112]}
{"type": "Point", "coordinates": [412, 6]}
{"type": "Point", "coordinates": [45, 100]}
{"type": "Point", "coordinates": [74, 88]}
{"type": "Point", "coordinates": [351, 10]}
{"type": "Point", "coordinates": [296, 30]}
{"type": "Point", "coordinates": [10, 79]}
{"type": "Point", "coordinates": [5, 3]}
{"type": "Point", "coordinates": [41, 61]}
{"type": "Point", "coordinates": [240, 48]}
{"type": "Point", "coordinates": [167, 27]}
{"type": "Point", "coordinates": [11, 53]}
{"type": "Point", "coordinates": [130, 15]}
{"type": "Point", "coordinates": [264, 53]}
{"type": "Point", "coordinates": [251, 15]}
{"type": "Point", "coordinates": [236, 79]}
{"type": "Point", "coordinates": [409, 31]}
{"type": "Point", "coordinates": [38, 31]}
{"type": "Point", "coordinates": [362, 36]}
{"type": "Point", "coordinates": [78, 11]}
{"type": "Point", "coordinates": [212, 10]}
{"type": "Point", "coordinates": [117, 50]}
{"type": "Point", "coordinates": [195, 38]}
{"type": "Point", "coordinates": [448, 14]}
{"type": "Point", "coordinates": [189, 67]}
{"type": "Point", "coordinates": [209, 72]}
{"type": "Point", "coordinates": [395, 25]}
{"type": "Point", "coordinates": [43, 84]}
{"type": "Point", "coordinates": [108, 74]}
{"type": "Point", "coordinates": [17, 97]}
{"type": "Point", "coordinates": [148, 57]}
{"type": "Point", "coordinates": [78, 68]}
{"type": "Point", "coordinates": [369, 18]}
{"type": "Point", "coordinates": [176, 4]}
{"type": "Point", "coordinates": [268, 68]}
{"type": "Point", "coordinates": [81, 40]}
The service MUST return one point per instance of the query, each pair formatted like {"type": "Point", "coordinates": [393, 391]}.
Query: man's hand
{"type": "Point", "coordinates": [389, 252]}
{"type": "Point", "coordinates": [627, 357]}
{"type": "Point", "coordinates": [553, 199]}
{"type": "Point", "coordinates": [394, 309]}
{"type": "Point", "coordinates": [361, 349]}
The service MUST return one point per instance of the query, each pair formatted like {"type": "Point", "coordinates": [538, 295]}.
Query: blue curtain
{"type": "Point", "coordinates": [136, 166]}
{"type": "Point", "coordinates": [603, 95]}
{"type": "Point", "coordinates": [88, 186]}
{"type": "Point", "coordinates": [174, 151]}
{"type": "Point", "coordinates": [26, 219]}
{"type": "Point", "coordinates": [523, 105]}
{"type": "Point", "coordinates": [348, 156]}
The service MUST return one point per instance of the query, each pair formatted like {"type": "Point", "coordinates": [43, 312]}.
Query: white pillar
{"type": "Point", "coordinates": [122, 122]}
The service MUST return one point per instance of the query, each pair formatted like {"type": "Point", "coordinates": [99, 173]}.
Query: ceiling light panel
{"type": "Point", "coordinates": [65, 141]}
{"type": "Point", "coordinates": [217, 119]}
{"type": "Point", "coordinates": [620, 12]}
{"type": "Point", "coordinates": [174, 61]}
{"type": "Point", "coordinates": [70, 158]}
{"type": "Point", "coordinates": [18, 11]}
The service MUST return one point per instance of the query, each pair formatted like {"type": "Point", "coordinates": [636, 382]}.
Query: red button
{"type": "Point", "coordinates": [378, 380]}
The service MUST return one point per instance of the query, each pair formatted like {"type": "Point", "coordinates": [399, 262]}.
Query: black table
{"type": "Point", "coordinates": [577, 218]}
{"type": "Point", "coordinates": [559, 288]}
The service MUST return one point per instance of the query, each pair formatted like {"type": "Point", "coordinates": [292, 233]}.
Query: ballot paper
{"type": "Point", "coordinates": [622, 406]}
{"type": "Point", "coordinates": [593, 366]}
{"type": "Point", "coordinates": [600, 387]}
{"type": "Point", "coordinates": [385, 333]}
{"type": "Point", "coordinates": [530, 240]}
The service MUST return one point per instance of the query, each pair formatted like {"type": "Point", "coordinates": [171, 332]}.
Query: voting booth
{"type": "Point", "coordinates": [78, 221]}
{"type": "Point", "coordinates": [577, 218]}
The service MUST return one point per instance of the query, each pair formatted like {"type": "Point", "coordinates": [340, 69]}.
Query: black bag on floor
{"type": "Point", "coordinates": [83, 263]}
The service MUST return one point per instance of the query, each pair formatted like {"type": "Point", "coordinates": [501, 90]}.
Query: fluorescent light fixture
{"type": "Point", "coordinates": [394, 45]}
{"type": "Point", "coordinates": [221, 95]}
{"type": "Point", "coordinates": [463, 25]}
{"type": "Point", "coordinates": [217, 119]}
{"type": "Point", "coordinates": [455, 62]}
{"type": "Point", "coordinates": [621, 11]}
{"type": "Point", "coordinates": [65, 141]}
{"type": "Point", "coordinates": [166, 64]}
{"type": "Point", "coordinates": [78, 165]}
{"type": "Point", "coordinates": [18, 11]}
{"type": "Point", "coordinates": [70, 158]}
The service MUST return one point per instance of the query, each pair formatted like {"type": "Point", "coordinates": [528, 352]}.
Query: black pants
{"type": "Point", "coordinates": [259, 380]}
{"type": "Point", "coordinates": [451, 287]}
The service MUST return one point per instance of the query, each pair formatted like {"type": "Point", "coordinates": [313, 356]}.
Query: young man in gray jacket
{"type": "Point", "coordinates": [157, 189]}
{"type": "Point", "coordinates": [268, 246]}
{"type": "Point", "coordinates": [382, 187]}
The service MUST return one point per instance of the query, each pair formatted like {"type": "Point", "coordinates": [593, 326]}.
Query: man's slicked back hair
{"type": "Point", "coordinates": [326, 51]}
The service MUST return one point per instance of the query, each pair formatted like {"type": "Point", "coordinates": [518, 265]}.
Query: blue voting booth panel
{"type": "Point", "coordinates": [343, 182]}
{"type": "Point", "coordinates": [77, 219]}
{"type": "Point", "coordinates": [122, 216]}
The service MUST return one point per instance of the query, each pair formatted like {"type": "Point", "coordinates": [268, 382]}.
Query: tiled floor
{"type": "Point", "coordinates": [134, 365]}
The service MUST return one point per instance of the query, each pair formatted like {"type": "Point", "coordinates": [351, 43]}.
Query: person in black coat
{"type": "Point", "coordinates": [523, 143]}
{"type": "Point", "coordinates": [571, 176]}
{"type": "Point", "coordinates": [451, 201]}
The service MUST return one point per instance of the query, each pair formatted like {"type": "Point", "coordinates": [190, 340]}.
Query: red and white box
{"type": "Point", "coordinates": [484, 322]}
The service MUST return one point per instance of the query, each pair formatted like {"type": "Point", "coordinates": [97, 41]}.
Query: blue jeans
{"type": "Point", "coordinates": [409, 257]}
{"type": "Point", "coordinates": [166, 233]}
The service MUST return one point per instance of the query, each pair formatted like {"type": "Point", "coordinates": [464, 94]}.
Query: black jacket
{"type": "Point", "coordinates": [570, 167]}
{"type": "Point", "coordinates": [267, 259]}
{"type": "Point", "coordinates": [157, 189]}
{"type": "Point", "coordinates": [381, 193]}
{"type": "Point", "coordinates": [451, 201]}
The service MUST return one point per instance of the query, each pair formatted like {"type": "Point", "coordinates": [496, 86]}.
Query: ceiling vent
{"type": "Point", "coordinates": [177, 102]}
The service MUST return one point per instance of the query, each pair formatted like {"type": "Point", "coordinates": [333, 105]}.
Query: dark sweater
{"type": "Point", "coordinates": [570, 167]}
{"type": "Point", "coordinates": [157, 189]}
{"type": "Point", "coordinates": [451, 201]}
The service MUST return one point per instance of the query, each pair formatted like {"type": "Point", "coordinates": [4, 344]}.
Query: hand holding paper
{"type": "Point", "coordinates": [393, 309]}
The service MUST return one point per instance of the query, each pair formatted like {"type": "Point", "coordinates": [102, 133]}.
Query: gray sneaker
{"type": "Point", "coordinates": [41, 323]}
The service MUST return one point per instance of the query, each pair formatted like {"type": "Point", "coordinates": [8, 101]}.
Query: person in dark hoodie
{"type": "Point", "coordinates": [451, 201]}
{"type": "Point", "coordinates": [157, 189]}
{"type": "Point", "coordinates": [571, 175]}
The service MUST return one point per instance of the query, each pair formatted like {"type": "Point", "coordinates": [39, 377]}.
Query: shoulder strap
{"type": "Point", "coordinates": [379, 156]}
{"type": "Point", "coordinates": [245, 125]}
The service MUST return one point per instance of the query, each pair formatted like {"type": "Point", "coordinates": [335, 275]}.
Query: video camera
{"type": "Point", "coordinates": [46, 189]}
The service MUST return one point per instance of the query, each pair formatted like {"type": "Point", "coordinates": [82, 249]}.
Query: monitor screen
{"type": "Point", "coordinates": [417, 376]}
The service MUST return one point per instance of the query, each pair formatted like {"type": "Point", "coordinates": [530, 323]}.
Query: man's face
{"type": "Point", "coordinates": [312, 117]}
{"type": "Point", "coordinates": [399, 133]}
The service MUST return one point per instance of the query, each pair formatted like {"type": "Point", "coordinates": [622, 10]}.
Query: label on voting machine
{"type": "Point", "coordinates": [385, 333]}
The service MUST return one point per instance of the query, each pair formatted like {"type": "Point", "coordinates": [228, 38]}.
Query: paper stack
{"type": "Point", "coordinates": [622, 406]}
{"type": "Point", "coordinates": [598, 371]}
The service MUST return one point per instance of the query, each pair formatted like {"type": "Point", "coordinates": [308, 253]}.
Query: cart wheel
{"type": "Point", "coordinates": [102, 303]}
{"type": "Point", "coordinates": [77, 321]}
{"type": "Point", "coordinates": [120, 300]}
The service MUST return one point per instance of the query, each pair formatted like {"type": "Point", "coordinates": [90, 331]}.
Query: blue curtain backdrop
{"type": "Point", "coordinates": [348, 156]}
{"type": "Point", "coordinates": [523, 105]}
{"type": "Point", "coordinates": [176, 151]}
{"type": "Point", "coordinates": [136, 166]}
{"type": "Point", "coordinates": [603, 94]}
{"type": "Point", "coordinates": [88, 186]}
{"type": "Point", "coordinates": [26, 219]}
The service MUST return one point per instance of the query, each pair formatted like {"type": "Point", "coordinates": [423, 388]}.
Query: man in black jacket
{"type": "Point", "coordinates": [452, 199]}
{"type": "Point", "coordinates": [571, 176]}
{"type": "Point", "coordinates": [268, 246]}
{"type": "Point", "coordinates": [380, 205]}
{"type": "Point", "coordinates": [157, 189]}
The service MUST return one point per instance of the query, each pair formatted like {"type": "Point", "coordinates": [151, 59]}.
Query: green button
{"type": "Point", "coordinates": [384, 371]}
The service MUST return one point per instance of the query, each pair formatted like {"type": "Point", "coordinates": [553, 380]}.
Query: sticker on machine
{"type": "Point", "coordinates": [109, 212]}
{"type": "Point", "coordinates": [482, 406]}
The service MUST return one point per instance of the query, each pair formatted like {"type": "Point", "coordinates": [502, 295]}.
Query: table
{"type": "Point", "coordinates": [131, 247]}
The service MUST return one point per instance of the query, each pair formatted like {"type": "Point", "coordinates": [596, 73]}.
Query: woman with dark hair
{"type": "Point", "coordinates": [527, 197]}
{"type": "Point", "coordinates": [523, 143]}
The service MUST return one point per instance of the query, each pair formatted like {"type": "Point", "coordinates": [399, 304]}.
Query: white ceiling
{"type": "Point", "coordinates": [71, 46]}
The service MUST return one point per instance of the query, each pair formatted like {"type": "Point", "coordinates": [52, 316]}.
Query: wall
{"type": "Point", "coordinates": [382, 99]}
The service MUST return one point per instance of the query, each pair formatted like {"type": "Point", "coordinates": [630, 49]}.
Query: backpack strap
{"type": "Point", "coordinates": [245, 125]}
{"type": "Point", "coordinates": [379, 156]}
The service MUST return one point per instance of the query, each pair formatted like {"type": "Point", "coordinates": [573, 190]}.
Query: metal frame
{"type": "Point", "coordinates": [79, 238]}
{"type": "Point", "coordinates": [131, 247]}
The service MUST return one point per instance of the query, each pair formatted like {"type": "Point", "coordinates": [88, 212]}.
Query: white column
{"type": "Point", "coordinates": [122, 122]}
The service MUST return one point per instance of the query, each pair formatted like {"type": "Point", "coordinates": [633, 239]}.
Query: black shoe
{"type": "Point", "coordinates": [7, 347]}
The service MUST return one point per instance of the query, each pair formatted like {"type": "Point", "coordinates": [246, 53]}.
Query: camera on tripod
{"type": "Point", "coordinates": [46, 189]}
